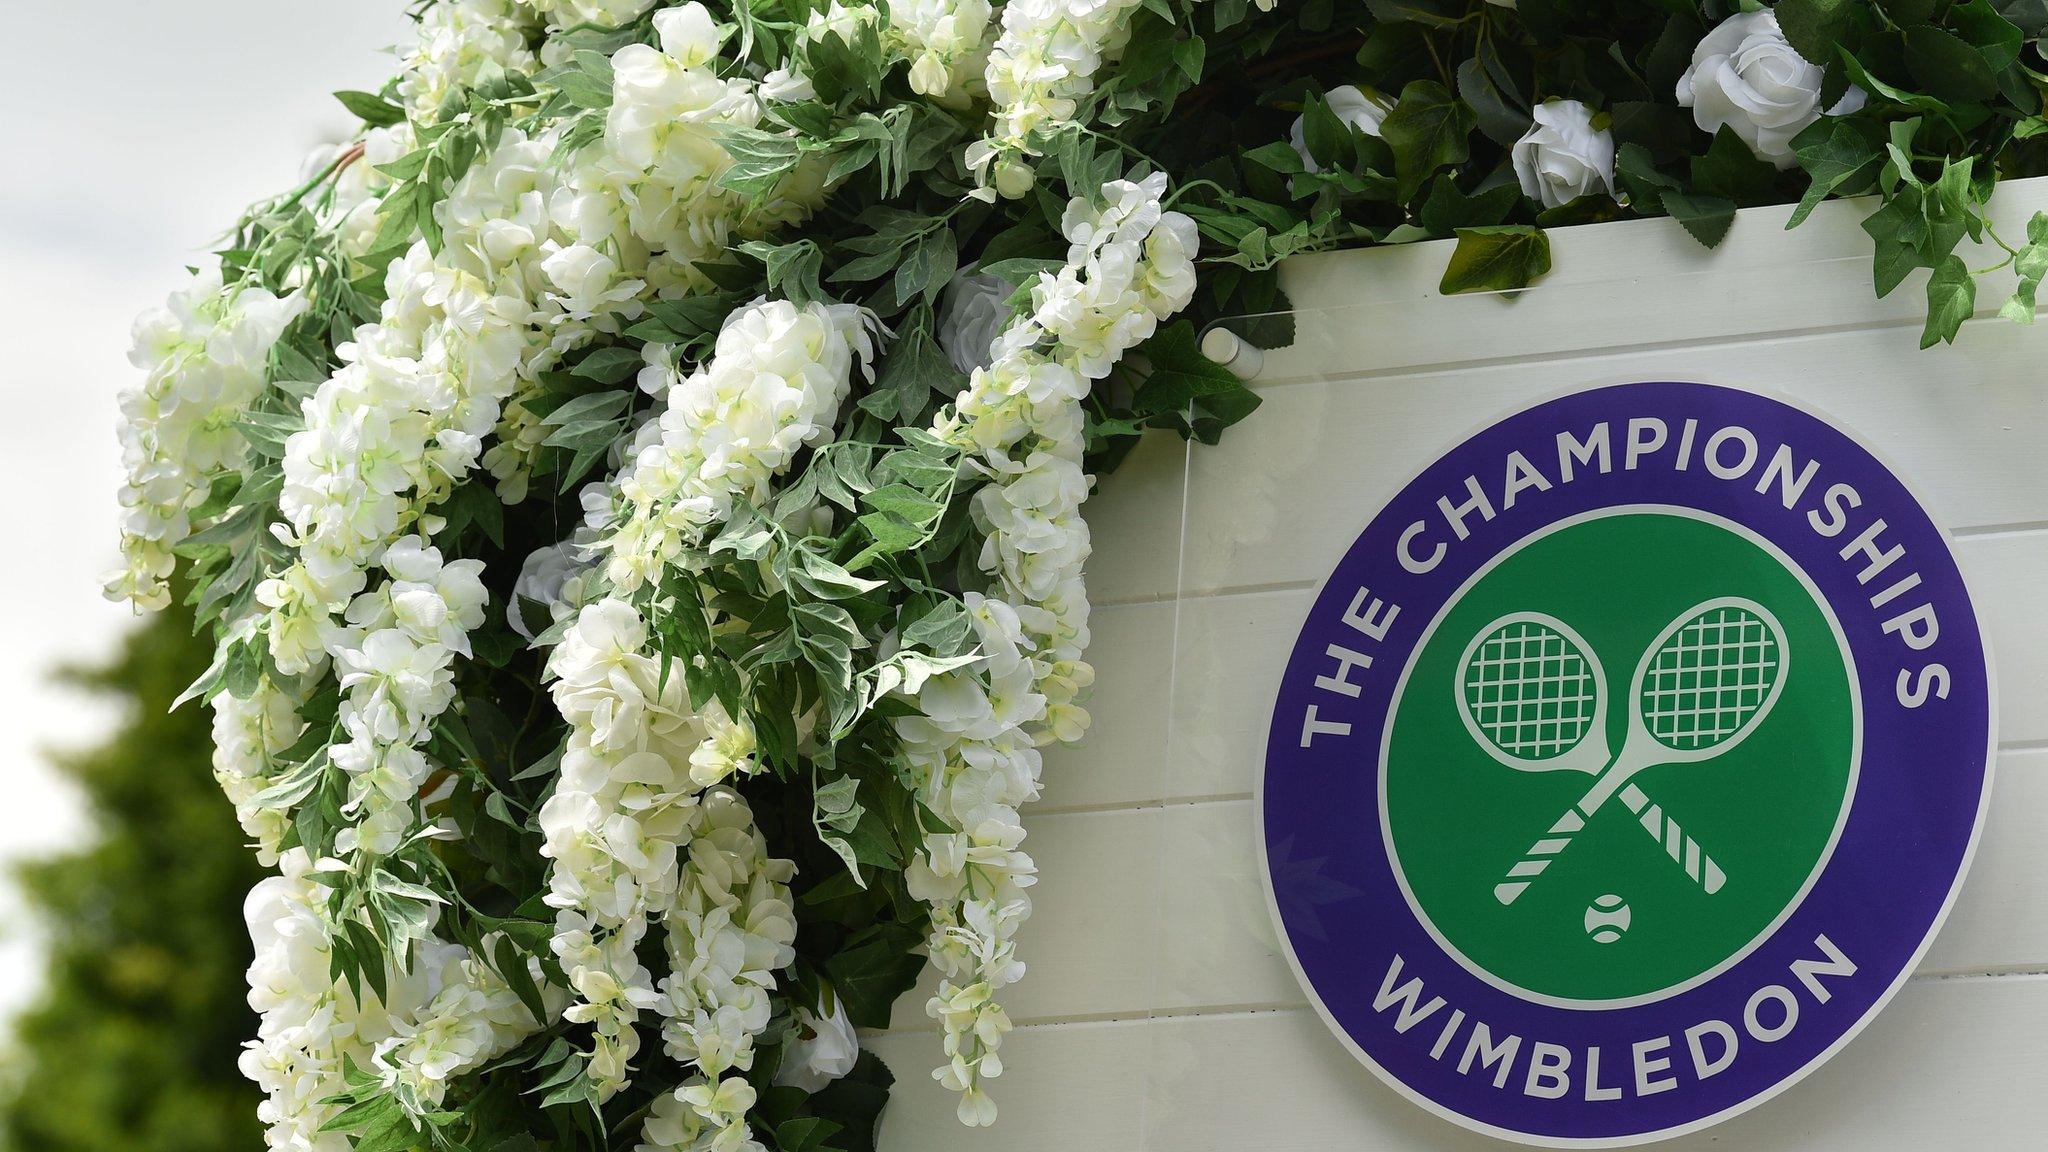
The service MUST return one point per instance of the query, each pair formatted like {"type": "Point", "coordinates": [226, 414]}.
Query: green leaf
{"type": "Point", "coordinates": [1496, 259]}
{"type": "Point", "coordinates": [1947, 67]}
{"type": "Point", "coordinates": [1502, 122]}
{"type": "Point", "coordinates": [371, 109]}
{"type": "Point", "coordinates": [1815, 27]}
{"type": "Point", "coordinates": [1951, 298]}
{"type": "Point", "coordinates": [870, 975]}
{"type": "Point", "coordinates": [1833, 151]}
{"type": "Point", "coordinates": [584, 79]}
{"type": "Point", "coordinates": [1986, 29]}
{"type": "Point", "coordinates": [1427, 130]}
{"type": "Point", "coordinates": [1180, 373]}
{"type": "Point", "coordinates": [1731, 171]}
{"type": "Point", "coordinates": [1705, 218]}
{"type": "Point", "coordinates": [1433, 13]}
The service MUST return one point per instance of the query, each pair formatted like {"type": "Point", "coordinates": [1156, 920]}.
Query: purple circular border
{"type": "Point", "coordinates": [1880, 897]}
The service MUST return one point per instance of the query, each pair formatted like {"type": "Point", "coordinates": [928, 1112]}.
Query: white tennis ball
{"type": "Point", "coordinates": [1607, 918]}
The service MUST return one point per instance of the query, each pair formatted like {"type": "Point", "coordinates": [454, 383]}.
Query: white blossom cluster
{"type": "Point", "coordinates": [247, 736]}
{"type": "Point", "coordinates": [203, 355]}
{"type": "Point", "coordinates": [395, 658]}
{"type": "Point", "coordinates": [445, 1014]}
{"type": "Point", "coordinates": [602, 13]}
{"type": "Point", "coordinates": [619, 816]}
{"type": "Point", "coordinates": [459, 41]}
{"type": "Point", "coordinates": [772, 387]}
{"type": "Point", "coordinates": [1042, 65]}
{"type": "Point", "coordinates": [731, 927]}
{"type": "Point", "coordinates": [974, 748]}
{"type": "Point", "coordinates": [947, 42]}
{"type": "Point", "coordinates": [641, 828]}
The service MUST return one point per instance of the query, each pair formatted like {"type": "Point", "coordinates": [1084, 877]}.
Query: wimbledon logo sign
{"type": "Point", "coordinates": [1626, 764]}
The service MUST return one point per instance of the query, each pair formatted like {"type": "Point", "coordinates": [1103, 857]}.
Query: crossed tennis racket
{"type": "Point", "coordinates": [1533, 694]}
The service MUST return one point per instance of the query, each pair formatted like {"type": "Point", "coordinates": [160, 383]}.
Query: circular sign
{"type": "Point", "coordinates": [1626, 764]}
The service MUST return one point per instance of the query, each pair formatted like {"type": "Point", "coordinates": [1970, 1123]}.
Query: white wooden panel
{"type": "Point", "coordinates": [1158, 1013]}
{"type": "Point", "coordinates": [1951, 1064]}
{"type": "Point", "coordinates": [1644, 280]}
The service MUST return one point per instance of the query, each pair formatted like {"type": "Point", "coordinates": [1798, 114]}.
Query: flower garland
{"type": "Point", "coordinates": [203, 355]}
{"type": "Point", "coordinates": [442, 1015]}
{"type": "Point", "coordinates": [974, 748]}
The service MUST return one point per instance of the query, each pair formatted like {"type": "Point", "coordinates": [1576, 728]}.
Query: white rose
{"type": "Point", "coordinates": [1354, 108]}
{"type": "Point", "coordinates": [971, 316]}
{"type": "Point", "coordinates": [822, 1052]}
{"type": "Point", "coordinates": [1563, 157]}
{"type": "Point", "coordinates": [1745, 75]}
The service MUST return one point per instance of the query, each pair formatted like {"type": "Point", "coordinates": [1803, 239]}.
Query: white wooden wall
{"type": "Point", "coordinates": [1158, 1012]}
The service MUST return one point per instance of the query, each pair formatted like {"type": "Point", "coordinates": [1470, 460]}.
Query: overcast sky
{"type": "Point", "coordinates": [135, 132]}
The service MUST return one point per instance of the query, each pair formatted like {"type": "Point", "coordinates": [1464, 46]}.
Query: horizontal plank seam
{"type": "Point", "coordinates": [1992, 531]}
{"type": "Point", "coordinates": [1604, 352]}
{"type": "Point", "coordinates": [1227, 1011]}
{"type": "Point", "coordinates": [2005, 748]}
{"type": "Point", "coordinates": [1188, 801]}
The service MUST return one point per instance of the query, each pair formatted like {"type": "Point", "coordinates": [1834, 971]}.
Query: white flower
{"type": "Point", "coordinates": [825, 1048]}
{"type": "Point", "coordinates": [1352, 107]}
{"type": "Point", "coordinates": [688, 34]}
{"type": "Point", "coordinates": [542, 578]}
{"type": "Point", "coordinates": [973, 312]}
{"type": "Point", "coordinates": [1745, 75]}
{"type": "Point", "coordinates": [1563, 157]}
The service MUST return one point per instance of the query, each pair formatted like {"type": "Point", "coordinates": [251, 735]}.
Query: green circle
{"type": "Point", "coordinates": [1764, 809]}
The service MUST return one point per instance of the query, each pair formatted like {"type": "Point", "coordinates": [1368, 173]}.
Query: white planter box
{"type": "Point", "coordinates": [1159, 1012]}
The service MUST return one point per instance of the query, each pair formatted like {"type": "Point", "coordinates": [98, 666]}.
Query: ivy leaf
{"type": "Point", "coordinates": [1434, 13]}
{"type": "Point", "coordinates": [1180, 372]}
{"type": "Point", "coordinates": [1815, 27]}
{"type": "Point", "coordinates": [1987, 30]}
{"type": "Point", "coordinates": [1502, 122]}
{"type": "Point", "coordinates": [1833, 151]}
{"type": "Point", "coordinates": [870, 975]}
{"type": "Point", "coordinates": [1705, 218]}
{"type": "Point", "coordinates": [1427, 130]}
{"type": "Point", "coordinates": [1501, 258]}
{"type": "Point", "coordinates": [1951, 298]}
{"type": "Point", "coordinates": [1948, 67]}
{"type": "Point", "coordinates": [1731, 171]}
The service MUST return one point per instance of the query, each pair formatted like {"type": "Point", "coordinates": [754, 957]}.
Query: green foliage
{"type": "Point", "coordinates": [133, 1040]}
{"type": "Point", "coordinates": [1955, 104]}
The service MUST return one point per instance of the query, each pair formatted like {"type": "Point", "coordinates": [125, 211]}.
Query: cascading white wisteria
{"type": "Point", "coordinates": [446, 1014]}
{"type": "Point", "coordinates": [1041, 67]}
{"type": "Point", "coordinates": [947, 42]}
{"type": "Point", "coordinates": [530, 265]}
{"type": "Point", "coordinates": [731, 928]}
{"type": "Point", "coordinates": [204, 355]}
{"type": "Point", "coordinates": [621, 810]}
{"type": "Point", "coordinates": [638, 214]}
{"type": "Point", "coordinates": [638, 754]}
{"type": "Point", "coordinates": [772, 387]}
{"type": "Point", "coordinates": [459, 40]}
{"type": "Point", "coordinates": [395, 659]}
{"type": "Point", "coordinates": [248, 734]}
{"type": "Point", "coordinates": [974, 747]}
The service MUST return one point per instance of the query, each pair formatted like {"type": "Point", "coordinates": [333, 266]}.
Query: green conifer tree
{"type": "Point", "coordinates": [132, 1044]}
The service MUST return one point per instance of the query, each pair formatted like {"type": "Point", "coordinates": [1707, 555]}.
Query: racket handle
{"type": "Point", "coordinates": [1683, 849]}
{"type": "Point", "coordinates": [1538, 857]}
